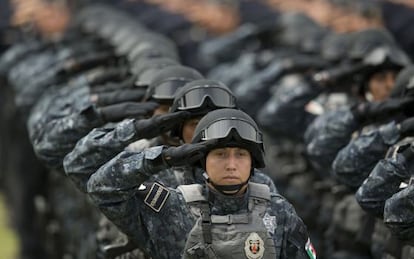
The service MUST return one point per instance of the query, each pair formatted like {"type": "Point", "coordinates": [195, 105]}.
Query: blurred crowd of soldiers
{"type": "Point", "coordinates": [331, 86]}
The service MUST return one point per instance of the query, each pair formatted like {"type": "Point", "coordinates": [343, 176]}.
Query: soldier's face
{"type": "Point", "coordinates": [162, 109]}
{"type": "Point", "coordinates": [380, 84]}
{"type": "Point", "coordinates": [229, 165]}
{"type": "Point", "coordinates": [188, 129]}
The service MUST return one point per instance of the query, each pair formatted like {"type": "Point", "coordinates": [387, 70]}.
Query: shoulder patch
{"type": "Point", "coordinates": [156, 197]}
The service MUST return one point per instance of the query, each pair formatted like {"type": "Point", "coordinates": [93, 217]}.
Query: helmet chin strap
{"type": "Point", "coordinates": [227, 189]}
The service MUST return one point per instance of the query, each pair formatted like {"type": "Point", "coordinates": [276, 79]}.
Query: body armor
{"type": "Point", "coordinates": [252, 234]}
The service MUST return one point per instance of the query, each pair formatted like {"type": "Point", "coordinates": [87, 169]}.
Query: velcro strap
{"type": "Point", "coordinates": [260, 191]}
{"type": "Point", "coordinates": [230, 219]}
{"type": "Point", "coordinates": [192, 192]}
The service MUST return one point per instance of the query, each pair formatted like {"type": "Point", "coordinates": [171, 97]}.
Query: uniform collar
{"type": "Point", "coordinates": [221, 204]}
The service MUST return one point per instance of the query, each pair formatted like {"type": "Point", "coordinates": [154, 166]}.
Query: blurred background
{"type": "Point", "coordinates": [22, 20]}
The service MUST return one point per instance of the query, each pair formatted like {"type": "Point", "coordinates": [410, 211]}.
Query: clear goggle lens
{"type": "Point", "coordinates": [195, 98]}
{"type": "Point", "coordinates": [221, 129]}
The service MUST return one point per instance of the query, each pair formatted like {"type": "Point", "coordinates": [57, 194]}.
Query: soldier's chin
{"type": "Point", "coordinates": [230, 181]}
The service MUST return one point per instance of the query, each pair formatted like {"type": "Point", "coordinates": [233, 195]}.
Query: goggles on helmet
{"type": "Point", "coordinates": [221, 129]}
{"type": "Point", "coordinates": [167, 89]}
{"type": "Point", "coordinates": [195, 98]}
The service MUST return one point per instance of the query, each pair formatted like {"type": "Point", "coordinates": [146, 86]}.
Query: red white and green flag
{"type": "Point", "coordinates": [310, 250]}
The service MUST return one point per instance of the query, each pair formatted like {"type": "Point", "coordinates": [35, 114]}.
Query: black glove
{"type": "Point", "coordinates": [84, 62]}
{"type": "Point", "coordinates": [119, 96]}
{"type": "Point", "coordinates": [369, 112]}
{"type": "Point", "coordinates": [407, 127]}
{"type": "Point", "coordinates": [152, 127]}
{"type": "Point", "coordinates": [408, 153]}
{"type": "Point", "coordinates": [118, 85]}
{"type": "Point", "coordinates": [120, 111]}
{"type": "Point", "coordinates": [187, 154]}
{"type": "Point", "coordinates": [298, 63]}
{"type": "Point", "coordinates": [339, 75]}
{"type": "Point", "coordinates": [100, 76]}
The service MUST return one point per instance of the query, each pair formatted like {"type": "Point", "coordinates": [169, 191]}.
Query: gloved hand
{"type": "Point", "coordinates": [407, 127]}
{"type": "Point", "coordinates": [342, 74]}
{"type": "Point", "coordinates": [152, 127]}
{"type": "Point", "coordinates": [369, 112]}
{"type": "Point", "coordinates": [187, 154]}
{"type": "Point", "coordinates": [408, 153]}
{"type": "Point", "coordinates": [120, 111]}
{"type": "Point", "coordinates": [119, 96]}
{"type": "Point", "coordinates": [302, 63]}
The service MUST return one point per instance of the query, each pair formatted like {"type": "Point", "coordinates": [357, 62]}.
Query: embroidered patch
{"type": "Point", "coordinates": [270, 223]}
{"type": "Point", "coordinates": [156, 197]}
{"type": "Point", "coordinates": [310, 250]}
{"type": "Point", "coordinates": [254, 246]}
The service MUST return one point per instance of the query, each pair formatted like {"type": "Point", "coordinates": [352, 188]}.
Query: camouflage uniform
{"type": "Point", "coordinates": [398, 217]}
{"type": "Point", "coordinates": [57, 122]}
{"type": "Point", "coordinates": [383, 181]}
{"type": "Point", "coordinates": [61, 117]}
{"type": "Point", "coordinates": [122, 199]}
{"type": "Point", "coordinates": [286, 108]}
{"type": "Point", "coordinates": [354, 162]}
{"type": "Point", "coordinates": [326, 135]}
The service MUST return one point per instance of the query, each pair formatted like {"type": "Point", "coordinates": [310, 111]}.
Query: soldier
{"type": "Point", "coordinates": [330, 132]}
{"type": "Point", "coordinates": [398, 213]}
{"type": "Point", "coordinates": [226, 217]}
{"type": "Point", "coordinates": [67, 119]}
{"type": "Point", "coordinates": [355, 161]}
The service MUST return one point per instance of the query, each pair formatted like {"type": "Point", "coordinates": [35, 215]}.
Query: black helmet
{"type": "Point", "coordinates": [153, 45]}
{"type": "Point", "coordinates": [233, 128]}
{"type": "Point", "coordinates": [404, 83]}
{"type": "Point", "coordinates": [300, 31]}
{"type": "Point", "coordinates": [151, 50]}
{"type": "Point", "coordinates": [168, 80]}
{"type": "Point", "coordinates": [335, 46]}
{"type": "Point", "coordinates": [143, 64]}
{"type": "Point", "coordinates": [147, 73]}
{"type": "Point", "coordinates": [391, 57]}
{"type": "Point", "coordinates": [200, 97]}
{"type": "Point", "coordinates": [367, 40]}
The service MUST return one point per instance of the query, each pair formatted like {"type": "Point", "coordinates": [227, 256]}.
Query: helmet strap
{"type": "Point", "coordinates": [227, 189]}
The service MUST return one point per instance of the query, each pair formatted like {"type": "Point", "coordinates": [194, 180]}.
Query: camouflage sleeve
{"type": "Point", "coordinates": [355, 161]}
{"type": "Point", "coordinates": [56, 102]}
{"type": "Point", "coordinates": [97, 148]}
{"type": "Point", "coordinates": [118, 179]}
{"type": "Point", "coordinates": [154, 216]}
{"type": "Point", "coordinates": [399, 213]}
{"type": "Point", "coordinates": [259, 177]}
{"type": "Point", "coordinates": [382, 183]}
{"type": "Point", "coordinates": [286, 109]}
{"type": "Point", "coordinates": [296, 238]}
{"type": "Point", "coordinates": [39, 116]}
{"type": "Point", "coordinates": [326, 135]}
{"type": "Point", "coordinates": [60, 136]}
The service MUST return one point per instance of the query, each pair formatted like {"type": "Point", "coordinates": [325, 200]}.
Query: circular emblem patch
{"type": "Point", "coordinates": [254, 246]}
